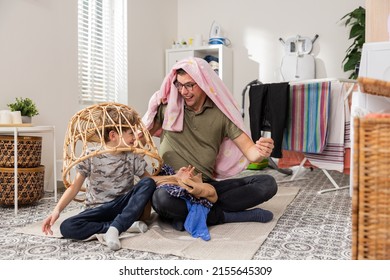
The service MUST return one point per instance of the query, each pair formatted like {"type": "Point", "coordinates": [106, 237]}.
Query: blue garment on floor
{"type": "Point", "coordinates": [198, 208]}
{"type": "Point", "coordinates": [195, 222]}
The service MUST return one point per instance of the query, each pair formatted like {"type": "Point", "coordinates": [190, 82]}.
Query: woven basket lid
{"type": "Point", "coordinates": [88, 128]}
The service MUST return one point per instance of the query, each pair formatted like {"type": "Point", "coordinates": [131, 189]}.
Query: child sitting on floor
{"type": "Point", "coordinates": [113, 202]}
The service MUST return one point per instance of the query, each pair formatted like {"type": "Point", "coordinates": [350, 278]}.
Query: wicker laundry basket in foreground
{"type": "Point", "coordinates": [371, 179]}
{"type": "Point", "coordinates": [374, 86]}
{"type": "Point", "coordinates": [371, 189]}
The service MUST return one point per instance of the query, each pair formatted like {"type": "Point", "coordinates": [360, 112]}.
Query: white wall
{"type": "Point", "coordinates": [255, 26]}
{"type": "Point", "coordinates": [38, 49]}
{"type": "Point", "coordinates": [152, 25]}
{"type": "Point", "coordinates": [38, 59]}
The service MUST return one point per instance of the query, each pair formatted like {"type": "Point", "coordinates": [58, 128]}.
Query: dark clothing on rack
{"type": "Point", "coordinates": [268, 111]}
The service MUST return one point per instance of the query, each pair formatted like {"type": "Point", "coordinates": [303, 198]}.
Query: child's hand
{"type": "Point", "coordinates": [185, 172]}
{"type": "Point", "coordinates": [46, 226]}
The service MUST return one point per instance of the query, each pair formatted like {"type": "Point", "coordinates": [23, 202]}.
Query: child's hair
{"type": "Point", "coordinates": [117, 120]}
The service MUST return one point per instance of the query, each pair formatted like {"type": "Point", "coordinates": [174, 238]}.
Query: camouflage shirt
{"type": "Point", "coordinates": [109, 175]}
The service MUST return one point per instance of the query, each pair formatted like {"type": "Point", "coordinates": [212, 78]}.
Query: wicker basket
{"type": "Point", "coordinates": [29, 151]}
{"type": "Point", "coordinates": [374, 86]}
{"type": "Point", "coordinates": [371, 189]}
{"type": "Point", "coordinates": [30, 185]}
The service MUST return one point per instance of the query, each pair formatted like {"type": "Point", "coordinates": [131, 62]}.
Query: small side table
{"type": "Point", "coordinates": [16, 130]}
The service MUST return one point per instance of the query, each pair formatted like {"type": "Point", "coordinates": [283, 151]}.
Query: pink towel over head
{"type": "Point", "coordinates": [230, 160]}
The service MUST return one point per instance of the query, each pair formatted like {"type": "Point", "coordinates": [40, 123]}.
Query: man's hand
{"type": "Point", "coordinates": [199, 189]}
{"type": "Point", "coordinates": [265, 146]}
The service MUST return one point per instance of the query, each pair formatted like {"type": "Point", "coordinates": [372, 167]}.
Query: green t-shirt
{"type": "Point", "coordinates": [199, 142]}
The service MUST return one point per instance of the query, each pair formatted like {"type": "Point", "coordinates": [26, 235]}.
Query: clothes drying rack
{"type": "Point", "coordinates": [335, 185]}
{"type": "Point", "coordinates": [295, 176]}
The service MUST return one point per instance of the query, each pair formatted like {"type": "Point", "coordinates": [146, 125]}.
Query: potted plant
{"type": "Point", "coordinates": [26, 107]}
{"type": "Point", "coordinates": [356, 20]}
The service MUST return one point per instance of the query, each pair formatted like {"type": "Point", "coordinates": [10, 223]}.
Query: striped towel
{"type": "Point", "coordinates": [308, 118]}
{"type": "Point", "coordinates": [333, 156]}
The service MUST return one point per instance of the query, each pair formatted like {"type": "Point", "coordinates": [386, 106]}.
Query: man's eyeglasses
{"type": "Point", "coordinates": [188, 86]}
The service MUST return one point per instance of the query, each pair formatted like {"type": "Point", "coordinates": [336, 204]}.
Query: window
{"type": "Point", "coordinates": [102, 51]}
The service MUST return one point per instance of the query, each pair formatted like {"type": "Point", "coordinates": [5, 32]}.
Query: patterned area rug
{"type": "Point", "coordinates": [228, 241]}
{"type": "Point", "coordinates": [313, 226]}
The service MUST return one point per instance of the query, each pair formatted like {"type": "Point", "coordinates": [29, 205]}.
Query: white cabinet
{"type": "Point", "coordinates": [223, 53]}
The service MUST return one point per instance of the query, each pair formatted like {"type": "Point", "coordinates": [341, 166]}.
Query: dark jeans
{"type": "Point", "coordinates": [121, 213]}
{"type": "Point", "coordinates": [234, 195]}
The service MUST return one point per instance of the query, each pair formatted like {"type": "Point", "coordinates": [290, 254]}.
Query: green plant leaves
{"type": "Point", "coordinates": [25, 105]}
{"type": "Point", "coordinates": [356, 20]}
